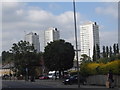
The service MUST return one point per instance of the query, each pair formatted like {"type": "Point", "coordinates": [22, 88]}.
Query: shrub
{"type": "Point", "coordinates": [92, 68]}
{"type": "Point", "coordinates": [73, 72]}
{"type": "Point", "coordinates": [114, 66]}
{"type": "Point", "coordinates": [100, 68]}
{"type": "Point", "coordinates": [84, 69]}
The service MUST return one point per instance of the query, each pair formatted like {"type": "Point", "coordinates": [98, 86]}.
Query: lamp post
{"type": "Point", "coordinates": [26, 69]}
{"type": "Point", "coordinates": [76, 44]}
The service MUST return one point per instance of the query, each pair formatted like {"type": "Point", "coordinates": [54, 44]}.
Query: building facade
{"type": "Point", "coordinates": [89, 36]}
{"type": "Point", "coordinates": [119, 37]}
{"type": "Point", "coordinates": [50, 35]}
{"type": "Point", "coordinates": [33, 38]}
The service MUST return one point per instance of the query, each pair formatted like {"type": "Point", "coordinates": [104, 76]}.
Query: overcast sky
{"type": "Point", "coordinates": [19, 18]}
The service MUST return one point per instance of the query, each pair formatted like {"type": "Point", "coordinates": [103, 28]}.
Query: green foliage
{"type": "Point", "coordinates": [100, 68]}
{"type": "Point", "coordinates": [84, 69]}
{"type": "Point", "coordinates": [118, 56]}
{"type": "Point", "coordinates": [117, 49]}
{"type": "Point", "coordinates": [108, 59]}
{"type": "Point", "coordinates": [85, 58]}
{"type": "Point", "coordinates": [59, 55]}
{"type": "Point", "coordinates": [103, 60]}
{"type": "Point", "coordinates": [25, 56]}
{"type": "Point", "coordinates": [94, 53]}
{"type": "Point", "coordinates": [114, 49]}
{"type": "Point", "coordinates": [104, 52]}
{"type": "Point", "coordinates": [97, 51]}
{"type": "Point", "coordinates": [107, 51]}
{"type": "Point", "coordinates": [110, 51]}
{"type": "Point", "coordinates": [73, 72]}
{"type": "Point", "coordinates": [7, 57]}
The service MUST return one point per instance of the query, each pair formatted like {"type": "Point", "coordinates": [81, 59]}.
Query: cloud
{"type": "Point", "coordinates": [20, 12]}
{"type": "Point", "coordinates": [108, 38]}
{"type": "Point", "coordinates": [111, 10]}
{"type": "Point", "coordinates": [18, 18]}
{"type": "Point", "coordinates": [39, 15]}
{"type": "Point", "coordinates": [10, 5]}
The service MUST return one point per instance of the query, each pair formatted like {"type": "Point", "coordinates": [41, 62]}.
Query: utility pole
{"type": "Point", "coordinates": [76, 44]}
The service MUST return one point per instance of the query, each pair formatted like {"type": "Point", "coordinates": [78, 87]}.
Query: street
{"type": "Point", "coordinates": [21, 84]}
{"type": "Point", "coordinates": [41, 84]}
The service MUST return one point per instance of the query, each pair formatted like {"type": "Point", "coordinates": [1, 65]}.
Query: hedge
{"type": "Point", "coordinates": [94, 68]}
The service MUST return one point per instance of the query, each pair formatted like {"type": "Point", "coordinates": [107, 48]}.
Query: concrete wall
{"type": "Point", "coordinates": [101, 80]}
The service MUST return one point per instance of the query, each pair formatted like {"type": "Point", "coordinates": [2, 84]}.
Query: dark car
{"type": "Point", "coordinates": [74, 80]}
{"type": "Point", "coordinates": [5, 76]}
{"type": "Point", "coordinates": [43, 77]}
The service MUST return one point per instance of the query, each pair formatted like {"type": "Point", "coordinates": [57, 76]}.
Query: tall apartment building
{"type": "Point", "coordinates": [89, 36]}
{"type": "Point", "coordinates": [33, 38]}
{"type": "Point", "coordinates": [119, 37]}
{"type": "Point", "coordinates": [51, 34]}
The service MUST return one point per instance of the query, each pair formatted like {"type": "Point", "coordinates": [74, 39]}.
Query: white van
{"type": "Point", "coordinates": [51, 74]}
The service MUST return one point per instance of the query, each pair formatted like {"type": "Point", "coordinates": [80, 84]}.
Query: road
{"type": "Point", "coordinates": [41, 84]}
{"type": "Point", "coordinates": [22, 84]}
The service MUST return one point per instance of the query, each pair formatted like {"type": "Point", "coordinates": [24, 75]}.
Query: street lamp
{"type": "Point", "coordinates": [76, 44]}
{"type": "Point", "coordinates": [26, 69]}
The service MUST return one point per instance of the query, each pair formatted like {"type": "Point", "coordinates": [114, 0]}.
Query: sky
{"type": "Point", "coordinates": [20, 18]}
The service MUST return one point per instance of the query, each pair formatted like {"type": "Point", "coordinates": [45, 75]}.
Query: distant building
{"type": "Point", "coordinates": [51, 34]}
{"type": "Point", "coordinates": [119, 38]}
{"type": "Point", "coordinates": [89, 36]}
{"type": "Point", "coordinates": [41, 38]}
{"type": "Point", "coordinates": [33, 38]}
{"type": "Point", "coordinates": [6, 69]}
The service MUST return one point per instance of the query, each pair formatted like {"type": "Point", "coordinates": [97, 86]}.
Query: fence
{"type": "Point", "coordinates": [101, 80]}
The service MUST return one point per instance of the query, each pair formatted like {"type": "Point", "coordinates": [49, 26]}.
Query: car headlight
{"type": "Point", "coordinates": [67, 80]}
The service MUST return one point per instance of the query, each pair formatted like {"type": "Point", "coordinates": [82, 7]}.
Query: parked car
{"type": "Point", "coordinates": [43, 77]}
{"type": "Point", "coordinates": [74, 80]}
{"type": "Point", "coordinates": [51, 74]}
{"type": "Point", "coordinates": [5, 76]}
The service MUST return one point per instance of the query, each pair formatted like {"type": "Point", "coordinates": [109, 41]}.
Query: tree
{"type": "Point", "coordinates": [85, 58]}
{"type": "Point", "coordinates": [25, 57]}
{"type": "Point", "coordinates": [117, 49]}
{"type": "Point", "coordinates": [110, 51]}
{"type": "Point", "coordinates": [114, 49]}
{"type": "Point", "coordinates": [58, 56]}
{"type": "Point", "coordinates": [97, 51]}
{"type": "Point", "coordinates": [104, 51]}
{"type": "Point", "coordinates": [107, 51]}
{"type": "Point", "coordinates": [94, 53]}
{"type": "Point", "coordinates": [6, 57]}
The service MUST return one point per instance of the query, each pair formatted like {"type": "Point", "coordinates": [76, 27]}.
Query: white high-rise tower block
{"type": "Point", "coordinates": [33, 38]}
{"type": "Point", "coordinates": [89, 36]}
{"type": "Point", "coordinates": [51, 34]}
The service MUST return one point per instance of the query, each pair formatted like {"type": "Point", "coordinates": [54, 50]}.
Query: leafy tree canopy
{"type": "Point", "coordinates": [6, 57]}
{"type": "Point", "coordinates": [25, 56]}
{"type": "Point", "coordinates": [85, 58]}
{"type": "Point", "coordinates": [59, 55]}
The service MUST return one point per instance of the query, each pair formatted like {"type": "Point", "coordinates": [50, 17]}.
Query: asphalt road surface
{"type": "Point", "coordinates": [41, 84]}
{"type": "Point", "coordinates": [21, 84]}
